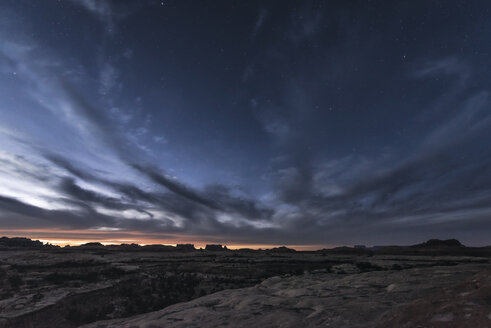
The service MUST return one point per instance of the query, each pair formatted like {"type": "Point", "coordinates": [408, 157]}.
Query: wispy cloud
{"type": "Point", "coordinates": [305, 24]}
{"type": "Point", "coordinates": [109, 79]}
{"type": "Point", "coordinates": [102, 10]}
{"type": "Point", "coordinates": [263, 13]}
{"type": "Point", "coordinates": [450, 66]}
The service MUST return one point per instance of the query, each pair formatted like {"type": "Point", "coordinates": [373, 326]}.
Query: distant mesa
{"type": "Point", "coordinates": [91, 245]}
{"type": "Point", "coordinates": [437, 243]}
{"type": "Point", "coordinates": [435, 247]}
{"type": "Point", "coordinates": [282, 249]}
{"type": "Point", "coordinates": [21, 242]}
{"type": "Point", "coordinates": [185, 247]}
{"type": "Point", "coordinates": [215, 247]}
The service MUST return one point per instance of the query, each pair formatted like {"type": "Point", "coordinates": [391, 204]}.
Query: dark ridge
{"type": "Point", "coordinates": [282, 249]}
{"type": "Point", "coordinates": [430, 247]}
{"type": "Point", "coordinates": [215, 248]}
{"type": "Point", "coordinates": [91, 245]}
{"type": "Point", "coordinates": [22, 242]}
{"type": "Point", "coordinates": [185, 247]}
{"type": "Point", "coordinates": [438, 243]}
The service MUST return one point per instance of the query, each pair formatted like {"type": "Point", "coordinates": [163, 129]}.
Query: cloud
{"type": "Point", "coordinates": [196, 211]}
{"type": "Point", "coordinates": [248, 72]}
{"type": "Point", "coordinates": [277, 127]}
{"type": "Point", "coordinates": [160, 140]}
{"type": "Point", "coordinates": [69, 188]}
{"type": "Point", "coordinates": [102, 10]}
{"type": "Point", "coordinates": [427, 187]}
{"type": "Point", "coordinates": [109, 79]}
{"type": "Point", "coordinates": [274, 121]}
{"type": "Point", "coordinates": [216, 197]}
{"type": "Point", "coordinates": [128, 53]}
{"type": "Point", "coordinates": [175, 186]}
{"type": "Point", "coordinates": [432, 186]}
{"type": "Point", "coordinates": [42, 73]}
{"type": "Point", "coordinates": [473, 119]}
{"type": "Point", "coordinates": [405, 196]}
{"type": "Point", "coordinates": [449, 66]}
{"type": "Point", "coordinates": [306, 24]}
{"type": "Point", "coordinates": [259, 22]}
{"type": "Point", "coordinates": [47, 79]}
{"type": "Point", "coordinates": [17, 214]}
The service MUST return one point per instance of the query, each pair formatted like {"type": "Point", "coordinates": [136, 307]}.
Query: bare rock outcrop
{"type": "Point", "coordinates": [451, 296]}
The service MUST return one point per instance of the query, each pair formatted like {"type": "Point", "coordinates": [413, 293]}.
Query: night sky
{"type": "Point", "coordinates": [314, 123]}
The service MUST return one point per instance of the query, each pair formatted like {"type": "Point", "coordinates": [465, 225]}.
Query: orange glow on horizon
{"type": "Point", "coordinates": [79, 237]}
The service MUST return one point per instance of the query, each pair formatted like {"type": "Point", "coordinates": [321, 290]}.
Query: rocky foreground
{"type": "Point", "coordinates": [439, 296]}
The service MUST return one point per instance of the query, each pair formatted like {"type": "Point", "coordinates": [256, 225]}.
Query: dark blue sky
{"type": "Point", "coordinates": [246, 122]}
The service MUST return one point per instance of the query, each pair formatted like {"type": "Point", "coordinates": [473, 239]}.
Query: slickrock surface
{"type": "Point", "coordinates": [439, 296]}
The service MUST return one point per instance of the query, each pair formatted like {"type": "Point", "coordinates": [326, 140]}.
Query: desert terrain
{"type": "Point", "coordinates": [434, 284]}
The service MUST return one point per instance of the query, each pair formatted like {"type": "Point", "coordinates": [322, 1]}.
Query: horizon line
{"type": "Point", "coordinates": [202, 246]}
